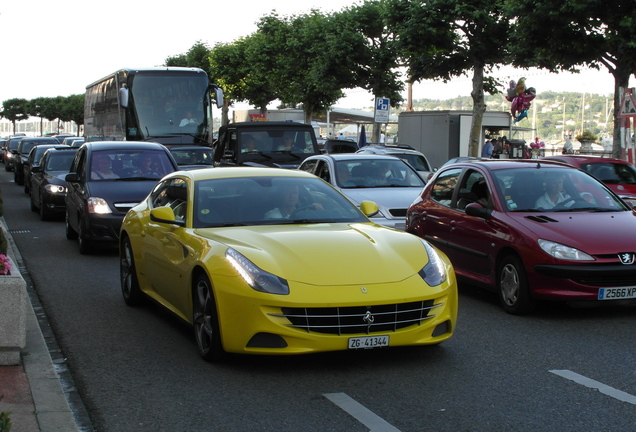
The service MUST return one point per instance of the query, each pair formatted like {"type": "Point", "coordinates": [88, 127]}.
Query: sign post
{"type": "Point", "coordinates": [626, 113]}
{"type": "Point", "coordinates": [382, 106]}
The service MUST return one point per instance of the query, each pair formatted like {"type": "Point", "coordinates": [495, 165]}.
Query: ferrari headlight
{"type": "Point", "coordinates": [433, 273]}
{"type": "Point", "coordinates": [557, 250]}
{"type": "Point", "coordinates": [55, 188]}
{"type": "Point", "coordinates": [98, 206]}
{"type": "Point", "coordinates": [256, 278]}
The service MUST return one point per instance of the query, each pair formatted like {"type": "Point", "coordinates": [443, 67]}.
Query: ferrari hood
{"type": "Point", "coordinates": [327, 254]}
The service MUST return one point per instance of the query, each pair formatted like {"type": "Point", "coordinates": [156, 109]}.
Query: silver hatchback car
{"type": "Point", "coordinates": [388, 181]}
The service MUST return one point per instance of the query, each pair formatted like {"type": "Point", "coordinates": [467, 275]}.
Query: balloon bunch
{"type": "Point", "coordinates": [520, 98]}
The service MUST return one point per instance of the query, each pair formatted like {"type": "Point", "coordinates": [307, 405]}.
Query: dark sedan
{"type": "Point", "coordinates": [107, 178]}
{"type": "Point", "coordinates": [11, 155]}
{"type": "Point", "coordinates": [22, 154]}
{"type": "Point", "coordinates": [530, 230]}
{"type": "Point", "coordinates": [33, 160]}
{"type": "Point", "coordinates": [48, 184]}
{"type": "Point", "coordinates": [193, 157]}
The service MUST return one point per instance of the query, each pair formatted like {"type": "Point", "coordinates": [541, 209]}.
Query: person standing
{"type": "Point", "coordinates": [486, 151]}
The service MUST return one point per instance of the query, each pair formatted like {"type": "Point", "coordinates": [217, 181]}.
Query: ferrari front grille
{"type": "Point", "coordinates": [359, 319]}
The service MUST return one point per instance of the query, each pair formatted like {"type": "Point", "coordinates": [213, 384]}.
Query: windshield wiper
{"type": "Point", "coordinates": [588, 209]}
{"type": "Point", "coordinates": [135, 178]}
{"type": "Point", "coordinates": [257, 152]}
{"type": "Point", "coordinates": [287, 152]}
{"type": "Point", "coordinates": [301, 221]}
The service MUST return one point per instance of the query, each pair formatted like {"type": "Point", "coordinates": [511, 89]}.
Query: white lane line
{"type": "Point", "coordinates": [605, 389]}
{"type": "Point", "coordinates": [360, 413]}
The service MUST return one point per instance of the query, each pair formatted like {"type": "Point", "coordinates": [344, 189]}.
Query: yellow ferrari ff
{"type": "Point", "coordinates": [274, 261]}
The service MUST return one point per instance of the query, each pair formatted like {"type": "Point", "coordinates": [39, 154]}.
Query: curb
{"type": "Point", "coordinates": [52, 408]}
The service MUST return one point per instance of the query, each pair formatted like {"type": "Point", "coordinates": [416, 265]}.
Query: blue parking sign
{"type": "Point", "coordinates": [382, 106]}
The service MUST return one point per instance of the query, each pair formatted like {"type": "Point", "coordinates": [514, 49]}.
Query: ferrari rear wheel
{"type": "Point", "coordinates": [514, 292]}
{"type": "Point", "coordinates": [206, 321]}
{"type": "Point", "coordinates": [128, 275]}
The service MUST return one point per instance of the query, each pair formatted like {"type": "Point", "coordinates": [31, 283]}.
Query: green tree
{"type": "Point", "coordinates": [49, 108]}
{"type": "Point", "coordinates": [179, 60]}
{"type": "Point", "coordinates": [15, 109]}
{"type": "Point", "coordinates": [73, 110]}
{"type": "Point", "coordinates": [570, 33]}
{"type": "Point", "coordinates": [369, 51]}
{"type": "Point", "coordinates": [442, 39]}
{"type": "Point", "coordinates": [307, 70]}
{"type": "Point", "coordinates": [36, 107]}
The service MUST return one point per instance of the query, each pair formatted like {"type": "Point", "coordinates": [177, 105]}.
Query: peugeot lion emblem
{"type": "Point", "coordinates": [626, 258]}
{"type": "Point", "coordinates": [368, 318]}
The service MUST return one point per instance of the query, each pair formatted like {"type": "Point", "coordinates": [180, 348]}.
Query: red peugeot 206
{"type": "Point", "coordinates": [531, 230]}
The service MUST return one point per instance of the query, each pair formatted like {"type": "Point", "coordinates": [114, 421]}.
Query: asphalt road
{"type": "Point", "coordinates": [137, 369]}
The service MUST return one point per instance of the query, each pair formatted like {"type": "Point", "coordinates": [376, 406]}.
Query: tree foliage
{"type": "Point", "coordinates": [571, 33]}
{"type": "Point", "coordinates": [442, 39]}
{"type": "Point", "coordinates": [63, 108]}
{"type": "Point", "coordinates": [15, 109]}
{"type": "Point", "coordinates": [370, 52]}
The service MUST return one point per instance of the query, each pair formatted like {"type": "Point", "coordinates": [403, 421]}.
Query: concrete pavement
{"type": "Point", "coordinates": [33, 391]}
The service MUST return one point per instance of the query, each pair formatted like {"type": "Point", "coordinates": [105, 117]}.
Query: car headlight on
{"type": "Point", "coordinates": [256, 278]}
{"type": "Point", "coordinates": [560, 251]}
{"type": "Point", "coordinates": [98, 206]}
{"type": "Point", "coordinates": [433, 273]}
{"type": "Point", "coordinates": [55, 189]}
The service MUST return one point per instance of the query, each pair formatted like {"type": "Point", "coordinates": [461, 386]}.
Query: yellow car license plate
{"type": "Point", "coordinates": [368, 342]}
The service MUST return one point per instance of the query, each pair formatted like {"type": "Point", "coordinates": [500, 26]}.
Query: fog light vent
{"type": "Point", "coordinates": [266, 340]}
{"type": "Point", "coordinates": [441, 329]}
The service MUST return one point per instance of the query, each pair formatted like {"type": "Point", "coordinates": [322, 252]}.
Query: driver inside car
{"type": "Point", "coordinates": [554, 194]}
{"type": "Point", "coordinates": [289, 204]}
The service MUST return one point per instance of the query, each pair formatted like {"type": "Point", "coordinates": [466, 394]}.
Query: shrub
{"type": "Point", "coordinates": [586, 136]}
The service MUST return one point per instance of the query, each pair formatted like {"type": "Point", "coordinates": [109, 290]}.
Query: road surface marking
{"type": "Point", "coordinates": [605, 389]}
{"type": "Point", "coordinates": [360, 413]}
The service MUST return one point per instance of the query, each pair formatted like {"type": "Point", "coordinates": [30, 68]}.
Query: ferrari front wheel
{"type": "Point", "coordinates": [206, 321]}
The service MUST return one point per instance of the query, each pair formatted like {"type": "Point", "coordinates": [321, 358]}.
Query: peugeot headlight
{"type": "Point", "coordinates": [434, 272]}
{"type": "Point", "coordinates": [256, 278]}
{"type": "Point", "coordinates": [560, 251]}
{"type": "Point", "coordinates": [98, 206]}
{"type": "Point", "coordinates": [55, 189]}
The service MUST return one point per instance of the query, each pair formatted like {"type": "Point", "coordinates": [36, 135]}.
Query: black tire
{"type": "Point", "coordinates": [133, 296]}
{"type": "Point", "coordinates": [85, 245]}
{"type": "Point", "coordinates": [44, 213]}
{"type": "Point", "coordinates": [27, 189]}
{"type": "Point", "coordinates": [512, 284]}
{"type": "Point", "coordinates": [206, 321]}
{"type": "Point", "coordinates": [34, 208]}
{"type": "Point", "coordinates": [71, 234]}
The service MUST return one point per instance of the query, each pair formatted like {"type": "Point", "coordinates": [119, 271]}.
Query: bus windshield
{"type": "Point", "coordinates": [168, 104]}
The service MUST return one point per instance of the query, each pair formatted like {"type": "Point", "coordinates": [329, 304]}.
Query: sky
{"type": "Point", "coordinates": [57, 48]}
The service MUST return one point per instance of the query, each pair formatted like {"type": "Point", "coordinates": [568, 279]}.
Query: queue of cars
{"type": "Point", "coordinates": [232, 250]}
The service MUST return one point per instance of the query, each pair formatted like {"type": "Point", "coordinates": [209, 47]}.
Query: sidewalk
{"type": "Point", "coordinates": [32, 391]}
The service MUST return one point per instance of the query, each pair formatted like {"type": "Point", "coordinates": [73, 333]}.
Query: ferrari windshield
{"type": "Point", "coordinates": [268, 201]}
